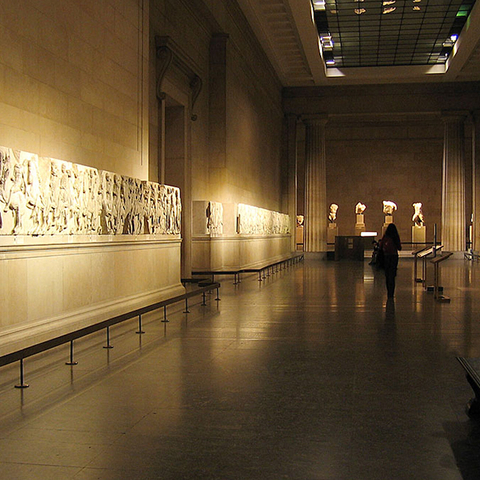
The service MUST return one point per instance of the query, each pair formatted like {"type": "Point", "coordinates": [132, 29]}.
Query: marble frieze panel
{"type": "Point", "coordinates": [259, 221]}
{"type": "Point", "coordinates": [45, 196]}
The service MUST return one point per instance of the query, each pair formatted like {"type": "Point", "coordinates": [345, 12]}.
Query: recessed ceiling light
{"type": "Point", "coordinates": [388, 2]}
{"type": "Point", "coordinates": [389, 10]}
{"type": "Point", "coordinates": [359, 11]}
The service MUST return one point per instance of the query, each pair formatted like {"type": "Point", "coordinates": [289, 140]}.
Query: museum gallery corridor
{"type": "Point", "coordinates": [308, 375]}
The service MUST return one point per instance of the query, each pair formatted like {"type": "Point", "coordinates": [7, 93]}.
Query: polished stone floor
{"type": "Point", "coordinates": [308, 375]}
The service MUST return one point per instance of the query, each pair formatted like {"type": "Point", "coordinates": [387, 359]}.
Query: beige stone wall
{"type": "Point", "coordinates": [398, 160]}
{"type": "Point", "coordinates": [74, 85]}
{"type": "Point", "coordinates": [254, 139]}
{"type": "Point", "coordinates": [73, 81]}
{"type": "Point", "coordinates": [251, 170]}
{"type": "Point", "coordinates": [52, 286]}
{"type": "Point", "coordinates": [385, 141]}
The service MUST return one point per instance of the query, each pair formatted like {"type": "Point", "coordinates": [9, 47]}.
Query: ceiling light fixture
{"type": "Point", "coordinates": [389, 10]}
{"type": "Point", "coordinates": [319, 4]}
{"type": "Point", "coordinates": [327, 42]}
{"type": "Point", "coordinates": [328, 58]}
{"type": "Point", "coordinates": [359, 11]}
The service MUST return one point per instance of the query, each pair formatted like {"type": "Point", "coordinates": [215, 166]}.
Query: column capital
{"type": "Point", "coordinates": [319, 120]}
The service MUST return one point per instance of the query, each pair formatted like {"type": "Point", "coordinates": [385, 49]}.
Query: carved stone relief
{"type": "Point", "coordinates": [214, 215]}
{"type": "Point", "coordinates": [43, 196]}
{"type": "Point", "coordinates": [258, 221]}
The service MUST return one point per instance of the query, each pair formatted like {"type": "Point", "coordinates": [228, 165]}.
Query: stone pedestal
{"type": "Point", "coordinates": [419, 234]}
{"type": "Point", "coordinates": [332, 232]}
{"type": "Point", "coordinates": [388, 221]}
{"type": "Point", "coordinates": [299, 236]}
{"type": "Point", "coordinates": [360, 224]}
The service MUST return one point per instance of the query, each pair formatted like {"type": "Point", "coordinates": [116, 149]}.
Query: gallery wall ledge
{"type": "Point", "coordinates": [56, 289]}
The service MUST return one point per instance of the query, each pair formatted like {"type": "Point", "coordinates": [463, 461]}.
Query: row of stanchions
{"type": "Point", "coordinates": [30, 351]}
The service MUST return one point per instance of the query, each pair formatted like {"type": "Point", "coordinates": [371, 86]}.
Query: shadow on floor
{"type": "Point", "coordinates": [465, 443]}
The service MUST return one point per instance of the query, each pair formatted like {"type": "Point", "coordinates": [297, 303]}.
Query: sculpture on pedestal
{"type": "Point", "coordinates": [418, 218]}
{"type": "Point", "coordinates": [332, 230]}
{"type": "Point", "coordinates": [389, 207]}
{"type": "Point", "coordinates": [332, 215]}
{"type": "Point", "coordinates": [360, 219]}
{"type": "Point", "coordinates": [419, 231]}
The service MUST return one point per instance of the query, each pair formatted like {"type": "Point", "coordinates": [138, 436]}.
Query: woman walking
{"type": "Point", "coordinates": [390, 245]}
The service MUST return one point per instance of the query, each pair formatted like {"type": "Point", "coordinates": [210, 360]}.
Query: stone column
{"type": "Point", "coordinates": [291, 175]}
{"type": "Point", "coordinates": [476, 180]}
{"type": "Point", "coordinates": [453, 182]}
{"type": "Point", "coordinates": [315, 185]}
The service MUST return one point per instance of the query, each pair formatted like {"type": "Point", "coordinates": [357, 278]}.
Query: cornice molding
{"type": "Point", "coordinates": [168, 55]}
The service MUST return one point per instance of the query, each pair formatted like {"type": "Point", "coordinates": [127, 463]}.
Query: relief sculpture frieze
{"type": "Point", "coordinates": [259, 221]}
{"type": "Point", "coordinates": [44, 196]}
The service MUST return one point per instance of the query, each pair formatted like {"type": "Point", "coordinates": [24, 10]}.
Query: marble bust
{"type": "Point", "coordinates": [389, 207]}
{"type": "Point", "coordinates": [360, 208]}
{"type": "Point", "coordinates": [332, 216]}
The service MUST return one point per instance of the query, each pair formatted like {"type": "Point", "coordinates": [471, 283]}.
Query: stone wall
{"type": "Point", "coordinates": [236, 236]}
{"type": "Point", "coordinates": [73, 83]}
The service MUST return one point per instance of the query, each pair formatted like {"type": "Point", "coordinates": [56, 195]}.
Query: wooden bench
{"type": "Point", "coordinates": [20, 355]}
{"type": "Point", "coordinates": [472, 373]}
{"type": "Point", "coordinates": [259, 268]}
{"type": "Point", "coordinates": [264, 268]}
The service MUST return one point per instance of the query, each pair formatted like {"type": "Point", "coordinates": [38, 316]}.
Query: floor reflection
{"type": "Point", "coordinates": [312, 373]}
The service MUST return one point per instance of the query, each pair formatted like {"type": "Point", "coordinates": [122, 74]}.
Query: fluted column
{"type": "Point", "coordinates": [291, 161]}
{"type": "Point", "coordinates": [476, 180]}
{"type": "Point", "coordinates": [315, 185]}
{"type": "Point", "coordinates": [453, 183]}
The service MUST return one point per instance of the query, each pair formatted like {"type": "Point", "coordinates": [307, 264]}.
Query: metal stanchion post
{"type": "Point", "coordinates": [140, 331]}
{"type": "Point", "coordinates": [72, 361]}
{"type": "Point", "coordinates": [22, 384]}
{"type": "Point", "coordinates": [108, 339]}
{"type": "Point", "coordinates": [165, 320]}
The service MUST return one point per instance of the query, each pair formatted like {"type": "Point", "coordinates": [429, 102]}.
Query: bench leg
{"type": "Point", "coordinates": [473, 406]}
